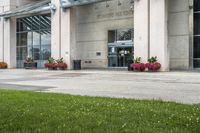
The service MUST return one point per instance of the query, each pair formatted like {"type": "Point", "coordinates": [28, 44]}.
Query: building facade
{"type": "Point", "coordinates": [101, 33]}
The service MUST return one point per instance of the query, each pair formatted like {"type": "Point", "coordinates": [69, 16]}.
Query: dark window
{"type": "Point", "coordinates": [123, 35]}
{"type": "Point", "coordinates": [111, 36]}
{"type": "Point", "coordinates": [196, 5]}
{"type": "Point", "coordinates": [120, 35]}
{"type": "Point", "coordinates": [197, 24]}
{"type": "Point", "coordinates": [196, 50]}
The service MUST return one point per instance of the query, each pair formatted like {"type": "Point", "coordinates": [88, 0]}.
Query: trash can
{"type": "Point", "coordinates": [129, 65]}
{"type": "Point", "coordinates": [77, 64]}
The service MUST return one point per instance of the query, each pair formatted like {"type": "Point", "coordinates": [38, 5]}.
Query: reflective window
{"type": "Point", "coordinates": [196, 50]}
{"type": "Point", "coordinates": [120, 35]}
{"type": "Point", "coordinates": [123, 35]}
{"type": "Point", "coordinates": [34, 39]}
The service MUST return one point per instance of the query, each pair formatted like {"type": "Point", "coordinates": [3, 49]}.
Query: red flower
{"type": "Point", "coordinates": [138, 66]}
{"type": "Point", "coordinates": [153, 66]}
{"type": "Point", "coordinates": [62, 65]}
{"type": "Point", "coordinates": [50, 65]}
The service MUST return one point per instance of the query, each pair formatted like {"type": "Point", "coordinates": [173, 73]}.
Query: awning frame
{"type": "Point", "coordinates": [32, 8]}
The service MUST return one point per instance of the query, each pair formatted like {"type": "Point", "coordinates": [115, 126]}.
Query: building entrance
{"type": "Point", "coordinates": [120, 47]}
{"type": "Point", "coordinates": [118, 55]}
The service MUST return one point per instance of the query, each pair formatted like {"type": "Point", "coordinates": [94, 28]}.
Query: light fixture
{"type": "Point", "coordinates": [131, 1]}
{"type": "Point", "coordinates": [132, 4]}
{"type": "Point", "coordinates": [119, 3]}
{"type": "Point", "coordinates": [107, 5]}
{"type": "Point", "coordinates": [52, 8]}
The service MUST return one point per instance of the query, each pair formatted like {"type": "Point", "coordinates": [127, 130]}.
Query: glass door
{"type": "Point", "coordinates": [120, 47]}
{"type": "Point", "coordinates": [118, 56]}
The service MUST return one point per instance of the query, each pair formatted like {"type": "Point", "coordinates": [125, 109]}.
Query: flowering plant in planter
{"type": "Point", "coordinates": [60, 64]}
{"type": "Point", "coordinates": [51, 65]}
{"type": "Point", "coordinates": [55, 64]}
{"type": "Point", "coordinates": [137, 65]}
{"type": "Point", "coordinates": [29, 63]}
{"type": "Point", "coordinates": [3, 65]}
{"type": "Point", "coordinates": [152, 64]}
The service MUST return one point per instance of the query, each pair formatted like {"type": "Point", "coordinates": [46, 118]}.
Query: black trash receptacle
{"type": "Point", "coordinates": [77, 64]}
{"type": "Point", "coordinates": [129, 65]}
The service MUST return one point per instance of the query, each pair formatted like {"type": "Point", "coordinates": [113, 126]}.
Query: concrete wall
{"type": "Point", "coordinates": [179, 34]}
{"type": "Point", "coordinates": [93, 22]}
{"type": "Point", "coordinates": [8, 35]}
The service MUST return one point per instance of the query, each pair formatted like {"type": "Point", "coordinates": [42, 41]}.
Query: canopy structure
{"type": "Point", "coordinates": [46, 5]}
{"type": "Point", "coordinates": [71, 3]}
{"type": "Point", "coordinates": [36, 7]}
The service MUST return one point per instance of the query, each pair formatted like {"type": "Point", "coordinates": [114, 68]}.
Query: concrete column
{"type": "Point", "coordinates": [64, 34]}
{"type": "Point", "coordinates": [8, 35]}
{"type": "Point", "coordinates": [141, 29]}
{"type": "Point", "coordinates": [68, 36]}
{"type": "Point", "coordinates": [55, 30]}
{"type": "Point", "coordinates": [159, 32]}
{"type": "Point", "coordinates": [1, 35]}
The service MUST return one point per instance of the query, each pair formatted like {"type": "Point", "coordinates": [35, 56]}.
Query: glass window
{"type": "Point", "coordinates": [197, 47]}
{"type": "Point", "coordinates": [24, 39]}
{"type": "Point", "coordinates": [23, 25]}
{"type": "Point", "coordinates": [45, 52]}
{"type": "Point", "coordinates": [111, 36]}
{"type": "Point", "coordinates": [197, 24]}
{"type": "Point", "coordinates": [46, 38]}
{"type": "Point", "coordinates": [34, 38]}
{"type": "Point", "coordinates": [21, 53]}
{"type": "Point", "coordinates": [123, 35]}
{"type": "Point", "coordinates": [196, 5]}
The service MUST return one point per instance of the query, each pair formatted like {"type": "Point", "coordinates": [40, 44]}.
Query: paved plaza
{"type": "Point", "coordinates": [183, 87]}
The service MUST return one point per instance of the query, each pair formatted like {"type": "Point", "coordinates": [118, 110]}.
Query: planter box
{"type": "Point", "coordinates": [30, 65]}
{"type": "Point", "coordinates": [61, 68]}
{"type": "Point", "coordinates": [51, 68]}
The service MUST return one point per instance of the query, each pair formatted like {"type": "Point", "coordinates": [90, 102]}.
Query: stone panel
{"type": "Point", "coordinates": [93, 23]}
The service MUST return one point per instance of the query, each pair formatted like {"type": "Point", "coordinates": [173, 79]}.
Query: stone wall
{"type": "Point", "coordinates": [179, 34]}
{"type": "Point", "coordinates": [93, 23]}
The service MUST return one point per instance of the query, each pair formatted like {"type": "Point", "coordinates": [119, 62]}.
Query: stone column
{"type": "Point", "coordinates": [55, 30]}
{"type": "Point", "coordinates": [8, 35]}
{"type": "Point", "coordinates": [68, 36]}
{"type": "Point", "coordinates": [159, 32]}
{"type": "Point", "coordinates": [141, 29]}
{"type": "Point", "coordinates": [151, 34]}
{"type": "Point", "coordinates": [64, 34]}
{"type": "Point", "coordinates": [1, 35]}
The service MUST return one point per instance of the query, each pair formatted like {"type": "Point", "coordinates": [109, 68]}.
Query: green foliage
{"type": "Point", "coordinates": [29, 60]}
{"type": "Point", "coordinates": [51, 60]}
{"type": "Point", "coordinates": [60, 60]}
{"type": "Point", "coordinates": [137, 60]}
{"type": "Point", "coordinates": [152, 59]}
{"type": "Point", "coordinates": [26, 112]}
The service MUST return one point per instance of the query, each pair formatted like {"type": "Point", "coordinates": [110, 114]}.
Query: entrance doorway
{"type": "Point", "coordinates": [119, 55]}
{"type": "Point", "coordinates": [120, 47]}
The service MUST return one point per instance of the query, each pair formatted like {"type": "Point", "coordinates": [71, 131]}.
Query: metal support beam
{"type": "Point", "coordinates": [38, 7]}
{"type": "Point", "coordinates": [70, 3]}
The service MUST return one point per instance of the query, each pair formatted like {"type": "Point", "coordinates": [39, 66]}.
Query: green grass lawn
{"type": "Point", "coordinates": [26, 112]}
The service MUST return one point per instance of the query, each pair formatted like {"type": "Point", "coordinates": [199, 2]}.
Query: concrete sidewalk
{"type": "Point", "coordinates": [183, 87]}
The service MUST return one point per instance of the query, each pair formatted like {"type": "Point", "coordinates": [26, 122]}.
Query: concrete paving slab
{"type": "Point", "coordinates": [182, 87]}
